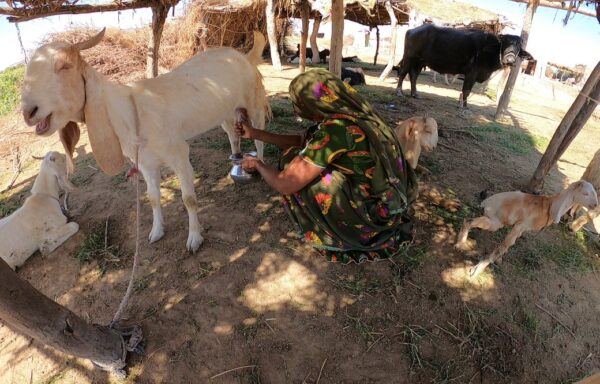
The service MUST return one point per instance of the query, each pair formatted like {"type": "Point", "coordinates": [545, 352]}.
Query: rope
{"type": "Point", "coordinates": [135, 173]}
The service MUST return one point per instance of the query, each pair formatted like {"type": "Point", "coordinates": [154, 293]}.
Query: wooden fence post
{"type": "Point", "coordinates": [376, 46]}
{"type": "Point", "coordinates": [313, 39]}
{"type": "Point", "coordinates": [305, 14]}
{"type": "Point", "coordinates": [159, 16]}
{"type": "Point", "coordinates": [575, 118]}
{"type": "Point", "coordinates": [337, 37]}
{"type": "Point", "coordinates": [272, 36]}
{"type": "Point", "coordinates": [394, 26]}
{"type": "Point", "coordinates": [514, 72]}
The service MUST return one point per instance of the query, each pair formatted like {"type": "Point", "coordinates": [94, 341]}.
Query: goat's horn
{"type": "Point", "coordinates": [38, 157]}
{"type": "Point", "coordinates": [89, 43]}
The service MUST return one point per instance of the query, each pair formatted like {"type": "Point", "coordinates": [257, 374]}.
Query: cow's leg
{"type": "Point", "coordinates": [180, 163]}
{"type": "Point", "coordinates": [413, 74]}
{"type": "Point", "coordinates": [435, 76]}
{"type": "Point", "coordinates": [466, 91]}
{"type": "Point", "coordinates": [401, 76]}
{"type": "Point", "coordinates": [258, 121]}
{"type": "Point", "coordinates": [446, 79]}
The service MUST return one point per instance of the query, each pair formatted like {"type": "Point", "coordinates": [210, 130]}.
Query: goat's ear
{"type": "Point", "coordinates": [105, 142]}
{"type": "Point", "coordinates": [412, 127]}
{"type": "Point", "coordinates": [69, 136]}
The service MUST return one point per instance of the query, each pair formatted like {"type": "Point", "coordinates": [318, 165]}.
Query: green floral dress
{"type": "Point", "coordinates": [356, 209]}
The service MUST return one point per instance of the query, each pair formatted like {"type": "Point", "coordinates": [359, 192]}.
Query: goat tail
{"type": "Point", "coordinates": [255, 54]}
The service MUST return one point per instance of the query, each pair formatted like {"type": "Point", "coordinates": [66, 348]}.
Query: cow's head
{"type": "Point", "coordinates": [510, 48]}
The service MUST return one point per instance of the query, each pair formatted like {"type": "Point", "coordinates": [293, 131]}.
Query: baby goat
{"type": "Point", "coordinates": [40, 222]}
{"type": "Point", "coordinates": [525, 213]}
{"type": "Point", "coordinates": [415, 134]}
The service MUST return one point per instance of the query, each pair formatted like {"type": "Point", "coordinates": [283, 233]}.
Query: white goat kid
{"type": "Point", "coordinates": [416, 134]}
{"type": "Point", "coordinates": [40, 222]}
{"type": "Point", "coordinates": [525, 213]}
{"type": "Point", "coordinates": [157, 114]}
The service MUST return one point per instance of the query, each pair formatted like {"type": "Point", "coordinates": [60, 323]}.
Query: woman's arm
{"type": "Point", "coordinates": [293, 178]}
{"type": "Point", "coordinates": [244, 129]}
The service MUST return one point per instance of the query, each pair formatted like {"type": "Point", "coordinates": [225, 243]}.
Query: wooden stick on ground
{"type": "Point", "coordinates": [556, 318]}
{"type": "Point", "coordinates": [233, 369]}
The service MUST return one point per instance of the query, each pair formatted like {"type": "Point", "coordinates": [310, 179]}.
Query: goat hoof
{"type": "Point", "coordinates": [156, 234]}
{"type": "Point", "coordinates": [194, 242]}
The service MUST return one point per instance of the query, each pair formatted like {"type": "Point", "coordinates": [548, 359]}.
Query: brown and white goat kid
{"type": "Point", "coordinates": [158, 114]}
{"type": "Point", "coordinates": [40, 222]}
{"type": "Point", "coordinates": [525, 213]}
{"type": "Point", "coordinates": [416, 134]}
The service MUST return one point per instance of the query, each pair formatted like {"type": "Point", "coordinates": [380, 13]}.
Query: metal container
{"type": "Point", "coordinates": [237, 173]}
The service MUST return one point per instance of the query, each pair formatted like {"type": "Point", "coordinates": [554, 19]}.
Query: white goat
{"type": "Point", "coordinates": [157, 114]}
{"type": "Point", "coordinates": [40, 222]}
{"type": "Point", "coordinates": [525, 213]}
{"type": "Point", "coordinates": [416, 134]}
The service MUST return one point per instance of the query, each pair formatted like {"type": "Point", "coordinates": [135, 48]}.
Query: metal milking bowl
{"type": "Point", "coordinates": [237, 173]}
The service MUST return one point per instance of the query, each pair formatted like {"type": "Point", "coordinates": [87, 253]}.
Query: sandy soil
{"type": "Point", "coordinates": [255, 297]}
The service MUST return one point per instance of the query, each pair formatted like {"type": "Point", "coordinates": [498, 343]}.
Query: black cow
{"type": "Point", "coordinates": [309, 53]}
{"type": "Point", "coordinates": [472, 53]}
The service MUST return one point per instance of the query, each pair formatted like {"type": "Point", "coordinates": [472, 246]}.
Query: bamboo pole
{"type": "Point", "coordinates": [159, 16]}
{"type": "Point", "coordinates": [27, 311]}
{"type": "Point", "coordinates": [305, 14]}
{"type": "Point", "coordinates": [313, 39]}
{"type": "Point", "coordinates": [376, 46]}
{"type": "Point", "coordinates": [337, 37]}
{"type": "Point", "coordinates": [575, 118]}
{"type": "Point", "coordinates": [394, 25]}
{"type": "Point", "coordinates": [271, 34]}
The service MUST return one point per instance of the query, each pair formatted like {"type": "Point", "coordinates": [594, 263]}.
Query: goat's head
{"type": "Point", "coordinates": [53, 90]}
{"type": "Point", "coordinates": [56, 164]}
{"type": "Point", "coordinates": [584, 194]}
{"type": "Point", "coordinates": [429, 134]}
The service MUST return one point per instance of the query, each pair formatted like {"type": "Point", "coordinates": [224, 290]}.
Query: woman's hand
{"type": "Point", "coordinates": [243, 128]}
{"type": "Point", "coordinates": [249, 164]}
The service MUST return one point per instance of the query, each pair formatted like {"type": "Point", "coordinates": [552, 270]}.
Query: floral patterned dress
{"type": "Point", "coordinates": [356, 209]}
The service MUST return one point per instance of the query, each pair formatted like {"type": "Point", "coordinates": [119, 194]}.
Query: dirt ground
{"type": "Point", "coordinates": [260, 307]}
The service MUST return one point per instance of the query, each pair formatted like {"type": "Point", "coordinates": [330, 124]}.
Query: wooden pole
{"type": "Point", "coordinates": [376, 46]}
{"type": "Point", "coordinates": [575, 118]}
{"type": "Point", "coordinates": [337, 37]}
{"type": "Point", "coordinates": [305, 14]}
{"type": "Point", "coordinates": [272, 35]}
{"type": "Point", "coordinates": [159, 16]}
{"type": "Point", "coordinates": [394, 25]}
{"type": "Point", "coordinates": [313, 39]}
{"type": "Point", "coordinates": [514, 72]}
{"type": "Point", "coordinates": [27, 311]}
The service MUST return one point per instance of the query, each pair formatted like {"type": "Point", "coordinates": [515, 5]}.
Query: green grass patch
{"type": "Point", "coordinates": [376, 95]}
{"type": "Point", "coordinates": [517, 142]}
{"type": "Point", "coordinates": [358, 286]}
{"type": "Point", "coordinates": [97, 247]}
{"type": "Point", "coordinates": [431, 164]}
{"type": "Point", "coordinates": [10, 88]}
{"type": "Point", "coordinates": [7, 207]}
{"type": "Point", "coordinates": [409, 259]}
{"type": "Point", "coordinates": [454, 218]}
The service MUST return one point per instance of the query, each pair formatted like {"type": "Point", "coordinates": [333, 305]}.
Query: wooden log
{"type": "Point", "coordinates": [394, 25]}
{"type": "Point", "coordinates": [337, 37]}
{"type": "Point", "coordinates": [573, 121]}
{"type": "Point", "coordinates": [159, 16]}
{"type": "Point", "coordinates": [27, 311]}
{"type": "Point", "coordinates": [272, 36]}
{"type": "Point", "coordinates": [514, 72]}
{"type": "Point", "coordinates": [376, 46]}
{"type": "Point", "coordinates": [313, 39]}
{"type": "Point", "coordinates": [305, 14]}
{"type": "Point", "coordinates": [558, 5]}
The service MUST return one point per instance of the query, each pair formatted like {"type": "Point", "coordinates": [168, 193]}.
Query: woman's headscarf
{"type": "Point", "coordinates": [319, 95]}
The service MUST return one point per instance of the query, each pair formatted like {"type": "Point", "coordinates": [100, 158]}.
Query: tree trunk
{"type": "Point", "coordinates": [592, 172]}
{"type": "Point", "coordinates": [313, 39]}
{"type": "Point", "coordinates": [514, 72]}
{"type": "Point", "coordinates": [575, 118]}
{"type": "Point", "coordinates": [27, 311]}
{"type": "Point", "coordinates": [159, 16]}
{"type": "Point", "coordinates": [376, 46]}
{"type": "Point", "coordinates": [337, 37]}
{"type": "Point", "coordinates": [394, 25]}
{"type": "Point", "coordinates": [305, 14]}
{"type": "Point", "coordinates": [271, 33]}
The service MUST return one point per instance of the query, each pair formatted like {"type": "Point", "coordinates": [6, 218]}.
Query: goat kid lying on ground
{"type": "Point", "coordinates": [525, 213]}
{"type": "Point", "coordinates": [416, 134]}
{"type": "Point", "coordinates": [158, 114]}
{"type": "Point", "coordinates": [39, 223]}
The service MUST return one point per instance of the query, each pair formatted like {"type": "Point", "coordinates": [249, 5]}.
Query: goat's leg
{"type": "Point", "coordinates": [482, 222]}
{"type": "Point", "coordinates": [584, 219]}
{"type": "Point", "coordinates": [150, 168]}
{"type": "Point", "coordinates": [54, 238]}
{"type": "Point", "coordinates": [180, 163]}
{"type": "Point", "coordinates": [234, 140]}
{"type": "Point", "coordinates": [497, 254]}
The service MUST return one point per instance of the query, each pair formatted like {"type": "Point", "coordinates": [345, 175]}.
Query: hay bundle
{"type": "Point", "coordinates": [215, 23]}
